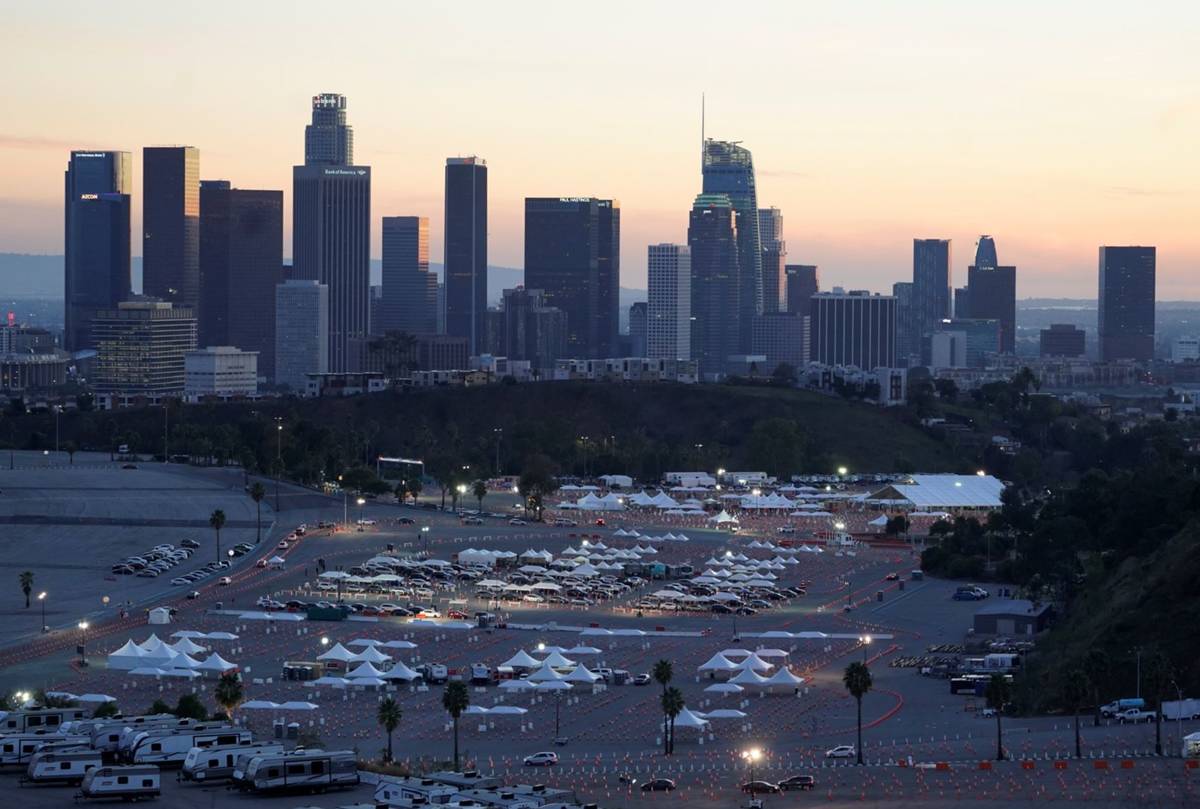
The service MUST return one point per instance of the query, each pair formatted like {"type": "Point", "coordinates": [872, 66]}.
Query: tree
{"type": "Point", "coordinates": [26, 580]}
{"type": "Point", "coordinates": [662, 673]}
{"type": "Point", "coordinates": [257, 493]}
{"type": "Point", "coordinates": [537, 482]}
{"type": "Point", "coordinates": [1078, 687]}
{"type": "Point", "coordinates": [777, 445]}
{"type": "Point", "coordinates": [999, 694]}
{"type": "Point", "coordinates": [456, 699]}
{"type": "Point", "coordinates": [441, 468]}
{"type": "Point", "coordinates": [784, 374]}
{"type": "Point", "coordinates": [158, 708]}
{"type": "Point", "coordinates": [190, 707]}
{"type": "Point", "coordinates": [897, 525]}
{"type": "Point", "coordinates": [1159, 675]}
{"type": "Point", "coordinates": [70, 448]}
{"type": "Point", "coordinates": [106, 710]}
{"type": "Point", "coordinates": [857, 679]}
{"type": "Point", "coordinates": [672, 705]}
{"type": "Point", "coordinates": [389, 715]}
{"type": "Point", "coordinates": [479, 489]}
{"type": "Point", "coordinates": [217, 521]}
{"type": "Point", "coordinates": [229, 693]}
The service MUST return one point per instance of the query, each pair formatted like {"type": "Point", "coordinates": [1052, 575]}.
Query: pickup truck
{"type": "Point", "coordinates": [1135, 715]}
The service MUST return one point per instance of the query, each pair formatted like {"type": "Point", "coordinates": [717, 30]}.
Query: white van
{"type": "Point", "coordinates": [302, 770]}
{"type": "Point", "coordinates": [172, 750]}
{"type": "Point", "coordinates": [127, 783]}
{"type": "Point", "coordinates": [60, 765]}
{"type": "Point", "coordinates": [20, 748]}
{"type": "Point", "coordinates": [215, 763]}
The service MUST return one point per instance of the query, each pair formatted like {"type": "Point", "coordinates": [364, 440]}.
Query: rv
{"type": "Point", "coordinates": [127, 783]}
{"type": "Point", "coordinates": [37, 718]}
{"type": "Point", "coordinates": [215, 763]}
{"type": "Point", "coordinates": [172, 750]}
{"type": "Point", "coordinates": [19, 748]}
{"type": "Point", "coordinates": [86, 726]}
{"type": "Point", "coordinates": [393, 789]}
{"type": "Point", "coordinates": [302, 770]}
{"type": "Point", "coordinates": [468, 779]}
{"type": "Point", "coordinates": [60, 765]}
{"type": "Point", "coordinates": [129, 736]}
{"type": "Point", "coordinates": [106, 734]}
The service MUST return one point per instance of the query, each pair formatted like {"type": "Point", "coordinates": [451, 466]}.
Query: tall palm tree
{"type": "Point", "coordinates": [662, 673]}
{"type": "Point", "coordinates": [672, 705]}
{"type": "Point", "coordinates": [229, 693]}
{"type": "Point", "coordinates": [857, 679]}
{"type": "Point", "coordinates": [998, 694]}
{"type": "Point", "coordinates": [389, 716]}
{"type": "Point", "coordinates": [257, 493]}
{"type": "Point", "coordinates": [479, 489]}
{"type": "Point", "coordinates": [217, 521]}
{"type": "Point", "coordinates": [455, 699]}
{"type": "Point", "coordinates": [26, 580]}
{"type": "Point", "coordinates": [1078, 688]}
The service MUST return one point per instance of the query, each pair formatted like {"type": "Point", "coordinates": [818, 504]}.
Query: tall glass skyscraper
{"type": "Point", "coordinates": [328, 140]}
{"type": "Point", "coordinates": [669, 302]}
{"type": "Point", "coordinates": [171, 224]}
{"type": "Point", "coordinates": [985, 253]}
{"type": "Point", "coordinates": [1126, 311]}
{"type": "Point", "coordinates": [991, 294]}
{"type": "Point", "coordinates": [716, 291]}
{"type": "Point", "coordinates": [932, 297]}
{"type": "Point", "coordinates": [728, 169]}
{"type": "Point", "coordinates": [774, 257]}
{"type": "Point", "coordinates": [465, 253]}
{"type": "Point", "coordinates": [409, 288]}
{"type": "Point", "coordinates": [96, 240]}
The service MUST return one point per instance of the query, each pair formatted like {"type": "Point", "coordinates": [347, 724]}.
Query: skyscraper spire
{"type": "Point", "coordinates": [985, 253]}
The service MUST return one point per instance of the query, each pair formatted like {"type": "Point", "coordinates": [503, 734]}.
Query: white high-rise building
{"type": "Point", "coordinates": [301, 332]}
{"type": "Point", "coordinates": [220, 371]}
{"type": "Point", "coordinates": [669, 307]}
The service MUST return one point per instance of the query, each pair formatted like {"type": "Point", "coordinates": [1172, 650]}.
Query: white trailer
{"type": "Point", "coordinates": [129, 736]}
{"type": "Point", "coordinates": [126, 783]}
{"type": "Point", "coordinates": [395, 790]}
{"type": "Point", "coordinates": [37, 718]}
{"type": "Point", "coordinates": [172, 750]}
{"type": "Point", "coordinates": [19, 748]}
{"type": "Point", "coordinates": [218, 762]}
{"type": "Point", "coordinates": [62, 765]}
{"type": "Point", "coordinates": [307, 770]}
{"type": "Point", "coordinates": [106, 735]}
{"type": "Point", "coordinates": [1181, 709]}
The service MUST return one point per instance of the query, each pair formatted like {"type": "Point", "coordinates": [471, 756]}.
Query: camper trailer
{"type": "Point", "coordinates": [106, 734]}
{"type": "Point", "coordinates": [171, 750]}
{"type": "Point", "coordinates": [395, 789]}
{"type": "Point", "coordinates": [129, 736]}
{"type": "Point", "coordinates": [20, 748]}
{"type": "Point", "coordinates": [86, 726]}
{"type": "Point", "coordinates": [217, 762]}
{"type": "Point", "coordinates": [127, 783]}
{"type": "Point", "coordinates": [61, 765]}
{"type": "Point", "coordinates": [302, 770]}
{"type": "Point", "coordinates": [38, 718]}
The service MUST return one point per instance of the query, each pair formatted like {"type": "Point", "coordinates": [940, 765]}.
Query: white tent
{"type": "Point", "coordinates": [748, 677]}
{"type": "Point", "coordinates": [339, 653]}
{"type": "Point", "coordinates": [182, 661]}
{"type": "Point", "coordinates": [370, 655]}
{"type": "Point", "coordinates": [336, 682]}
{"type": "Point", "coordinates": [260, 705]}
{"type": "Point", "coordinates": [545, 674]}
{"type": "Point", "coordinates": [187, 646]}
{"type": "Point", "coordinates": [399, 671]}
{"type": "Point", "coordinates": [725, 713]}
{"type": "Point", "coordinates": [580, 674]}
{"type": "Point", "coordinates": [725, 688]}
{"type": "Point", "coordinates": [521, 660]}
{"type": "Point", "coordinates": [147, 671]}
{"type": "Point", "coordinates": [400, 644]}
{"type": "Point", "coordinates": [553, 685]}
{"type": "Point", "coordinates": [688, 719]}
{"type": "Point", "coordinates": [298, 705]}
{"type": "Point", "coordinates": [556, 660]}
{"type": "Point", "coordinates": [364, 670]}
{"type": "Point", "coordinates": [275, 561]}
{"type": "Point", "coordinates": [517, 685]}
{"type": "Point", "coordinates": [718, 662]}
{"type": "Point", "coordinates": [363, 642]}
{"type": "Point", "coordinates": [755, 663]}
{"type": "Point", "coordinates": [784, 677]}
{"type": "Point", "coordinates": [160, 615]}
{"type": "Point", "coordinates": [215, 663]}
{"type": "Point", "coordinates": [127, 657]}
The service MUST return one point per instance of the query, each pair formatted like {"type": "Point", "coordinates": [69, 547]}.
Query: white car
{"type": "Point", "coordinates": [841, 751]}
{"type": "Point", "coordinates": [518, 521]}
{"type": "Point", "coordinates": [541, 760]}
{"type": "Point", "coordinates": [326, 585]}
{"type": "Point", "coordinates": [224, 581]}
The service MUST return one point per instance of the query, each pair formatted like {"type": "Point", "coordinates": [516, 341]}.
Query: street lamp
{"type": "Point", "coordinates": [42, 599]}
{"type": "Point", "coordinates": [751, 757]}
{"type": "Point", "coordinates": [425, 537]}
{"type": "Point", "coordinates": [842, 471]}
{"type": "Point", "coordinates": [324, 640]}
{"type": "Point", "coordinates": [278, 456]}
{"type": "Point", "coordinates": [865, 640]}
{"type": "Point", "coordinates": [83, 626]}
{"type": "Point", "coordinates": [360, 502]}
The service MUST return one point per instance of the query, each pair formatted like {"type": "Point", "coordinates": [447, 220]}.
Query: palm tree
{"type": "Point", "coordinates": [217, 521]}
{"type": "Point", "coordinates": [70, 448]}
{"type": "Point", "coordinates": [479, 489]}
{"type": "Point", "coordinates": [455, 699]}
{"type": "Point", "coordinates": [999, 694]}
{"type": "Point", "coordinates": [389, 716]}
{"type": "Point", "coordinates": [857, 679]}
{"type": "Point", "coordinates": [26, 580]}
{"type": "Point", "coordinates": [1078, 688]}
{"type": "Point", "coordinates": [229, 693]}
{"type": "Point", "coordinates": [1097, 664]}
{"type": "Point", "coordinates": [257, 493]}
{"type": "Point", "coordinates": [662, 673]}
{"type": "Point", "coordinates": [672, 705]}
{"type": "Point", "coordinates": [1158, 677]}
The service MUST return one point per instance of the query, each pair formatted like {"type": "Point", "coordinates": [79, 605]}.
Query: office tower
{"type": "Point", "coordinates": [854, 328]}
{"type": "Point", "coordinates": [716, 288]}
{"type": "Point", "coordinates": [572, 249]}
{"type": "Point", "coordinates": [1126, 310]}
{"type": "Point", "coordinates": [979, 339]}
{"type": "Point", "coordinates": [992, 295]}
{"type": "Point", "coordinates": [946, 349]}
{"type": "Point", "coordinates": [493, 331]}
{"type": "Point", "coordinates": [803, 281]}
{"type": "Point", "coordinates": [171, 224]}
{"type": "Point", "coordinates": [301, 332]}
{"type": "Point", "coordinates": [774, 257]}
{"type": "Point", "coordinates": [782, 338]}
{"type": "Point", "coordinates": [328, 140]}
{"type": "Point", "coordinates": [140, 347]}
{"type": "Point", "coordinates": [532, 330]}
{"type": "Point", "coordinates": [441, 306]}
{"type": "Point", "coordinates": [220, 371]}
{"type": "Point", "coordinates": [669, 302]}
{"type": "Point", "coordinates": [465, 254]}
{"type": "Point", "coordinates": [907, 344]}
{"type": "Point", "coordinates": [375, 296]}
{"type": "Point", "coordinates": [241, 258]}
{"type": "Point", "coordinates": [638, 317]}
{"type": "Point", "coordinates": [96, 240]}
{"type": "Point", "coordinates": [728, 169]}
{"type": "Point", "coordinates": [962, 301]}
{"type": "Point", "coordinates": [985, 253]}
{"type": "Point", "coordinates": [931, 290]}
{"type": "Point", "coordinates": [409, 288]}
{"type": "Point", "coordinates": [1062, 340]}
{"type": "Point", "coordinates": [1185, 349]}
{"type": "Point", "coordinates": [331, 229]}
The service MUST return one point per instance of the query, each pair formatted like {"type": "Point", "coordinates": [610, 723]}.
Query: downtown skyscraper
{"type": "Point", "coordinates": [96, 240]}
{"type": "Point", "coordinates": [728, 168]}
{"type": "Point", "coordinates": [171, 224]}
{"type": "Point", "coordinates": [465, 254]}
{"type": "Point", "coordinates": [409, 288]}
{"type": "Point", "coordinates": [774, 258]}
{"type": "Point", "coordinates": [1126, 305]}
{"type": "Point", "coordinates": [331, 228]}
{"type": "Point", "coordinates": [669, 302]}
{"type": "Point", "coordinates": [992, 294]}
{"type": "Point", "coordinates": [932, 299]}
{"type": "Point", "coordinates": [716, 291]}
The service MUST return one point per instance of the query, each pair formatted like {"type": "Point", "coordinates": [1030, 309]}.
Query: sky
{"type": "Point", "coordinates": [1055, 127]}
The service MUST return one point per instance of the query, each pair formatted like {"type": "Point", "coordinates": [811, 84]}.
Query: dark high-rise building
{"type": "Point", "coordinates": [532, 330]}
{"type": "Point", "coordinates": [375, 295]}
{"type": "Point", "coordinates": [572, 254]}
{"type": "Point", "coordinates": [782, 338]}
{"type": "Point", "coordinates": [465, 253]}
{"type": "Point", "coordinates": [774, 257]}
{"type": "Point", "coordinates": [716, 302]}
{"type": "Point", "coordinates": [241, 258]}
{"type": "Point", "coordinates": [96, 240]}
{"type": "Point", "coordinates": [980, 340]}
{"type": "Point", "coordinates": [907, 343]}
{"type": "Point", "coordinates": [992, 295]}
{"type": "Point", "coordinates": [638, 329]}
{"type": "Point", "coordinates": [962, 302]}
{"type": "Point", "coordinates": [328, 140]}
{"type": "Point", "coordinates": [409, 288]}
{"type": "Point", "coordinates": [728, 169]}
{"type": "Point", "coordinates": [932, 284]}
{"type": "Point", "coordinates": [331, 229]}
{"type": "Point", "coordinates": [985, 253]}
{"type": "Point", "coordinates": [171, 224]}
{"type": "Point", "coordinates": [1126, 311]}
{"type": "Point", "coordinates": [1063, 340]}
{"type": "Point", "coordinates": [856, 328]}
{"type": "Point", "coordinates": [803, 281]}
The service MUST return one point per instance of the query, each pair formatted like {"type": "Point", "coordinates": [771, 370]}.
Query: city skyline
{"type": "Point", "coordinates": [1055, 153]}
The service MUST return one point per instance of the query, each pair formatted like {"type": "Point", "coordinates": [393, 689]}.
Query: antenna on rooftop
{"type": "Point", "coordinates": [701, 133]}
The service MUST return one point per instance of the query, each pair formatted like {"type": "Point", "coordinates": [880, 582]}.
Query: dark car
{"type": "Point", "coordinates": [406, 521]}
{"type": "Point", "coordinates": [761, 787]}
{"type": "Point", "coordinates": [747, 611]}
{"type": "Point", "coordinates": [659, 785]}
{"type": "Point", "coordinates": [129, 466]}
{"type": "Point", "coordinates": [893, 576]}
{"type": "Point", "coordinates": [721, 609]}
{"type": "Point", "coordinates": [798, 782]}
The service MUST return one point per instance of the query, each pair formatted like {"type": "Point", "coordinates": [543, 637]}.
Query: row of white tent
{"type": "Point", "coordinates": [590, 502]}
{"type": "Point", "coordinates": [155, 657]}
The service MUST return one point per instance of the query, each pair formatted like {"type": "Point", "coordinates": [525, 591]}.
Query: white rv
{"type": "Point", "coordinates": [172, 750]}
{"type": "Point", "coordinates": [62, 765]}
{"type": "Point", "coordinates": [86, 726]}
{"type": "Point", "coordinates": [106, 734]}
{"type": "Point", "coordinates": [38, 718]}
{"type": "Point", "coordinates": [394, 789]}
{"type": "Point", "coordinates": [304, 770]}
{"type": "Point", "coordinates": [215, 763]}
{"type": "Point", "coordinates": [127, 783]}
{"type": "Point", "coordinates": [19, 748]}
{"type": "Point", "coordinates": [129, 736]}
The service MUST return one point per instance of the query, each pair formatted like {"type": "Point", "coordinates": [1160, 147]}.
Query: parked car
{"type": "Point", "coordinates": [841, 751]}
{"type": "Point", "coordinates": [761, 787]}
{"type": "Point", "coordinates": [544, 759]}
{"type": "Point", "coordinates": [517, 521]}
{"type": "Point", "coordinates": [659, 785]}
{"type": "Point", "coordinates": [224, 581]}
{"type": "Point", "coordinates": [193, 595]}
{"type": "Point", "coordinates": [1136, 715]}
{"type": "Point", "coordinates": [472, 521]}
{"type": "Point", "coordinates": [642, 679]}
{"type": "Point", "coordinates": [406, 521]}
{"type": "Point", "coordinates": [798, 782]}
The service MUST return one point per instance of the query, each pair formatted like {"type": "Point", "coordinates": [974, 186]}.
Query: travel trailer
{"type": "Point", "coordinates": [20, 748]}
{"type": "Point", "coordinates": [61, 765]}
{"type": "Point", "coordinates": [38, 718]}
{"type": "Point", "coordinates": [126, 783]}
{"type": "Point", "coordinates": [218, 762]}
{"type": "Point", "coordinates": [301, 770]}
{"type": "Point", "coordinates": [172, 749]}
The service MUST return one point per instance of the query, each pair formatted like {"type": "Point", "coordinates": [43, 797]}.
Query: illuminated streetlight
{"type": "Point", "coordinates": [756, 492]}
{"type": "Point", "coordinates": [720, 473]}
{"type": "Point", "coordinates": [841, 526]}
{"type": "Point", "coordinates": [541, 647]}
{"type": "Point", "coordinates": [865, 640]}
{"type": "Point", "coordinates": [42, 599]}
{"type": "Point", "coordinates": [981, 473]}
{"type": "Point", "coordinates": [324, 641]}
{"type": "Point", "coordinates": [360, 502]}
{"type": "Point", "coordinates": [83, 626]}
{"type": "Point", "coordinates": [751, 757]}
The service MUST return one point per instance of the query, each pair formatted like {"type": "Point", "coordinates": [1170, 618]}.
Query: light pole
{"type": "Point", "coordinates": [42, 599]}
{"type": "Point", "coordinates": [425, 538]}
{"type": "Point", "coordinates": [57, 413]}
{"type": "Point", "coordinates": [360, 502]}
{"type": "Point", "coordinates": [83, 627]}
{"type": "Point", "coordinates": [278, 456]}
{"type": "Point", "coordinates": [499, 433]}
{"type": "Point", "coordinates": [865, 640]}
{"type": "Point", "coordinates": [752, 756]}
{"type": "Point", "coordinates": [461, 489]}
